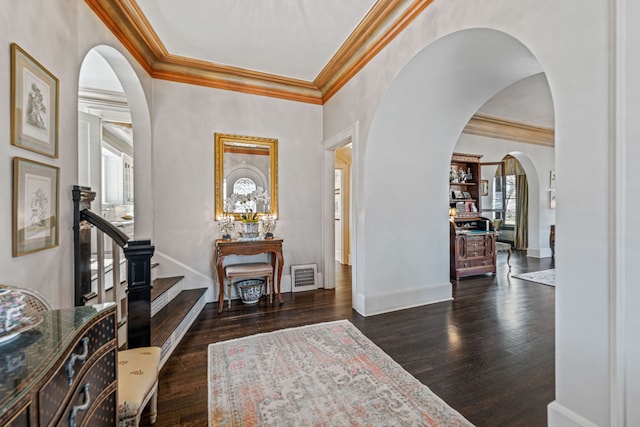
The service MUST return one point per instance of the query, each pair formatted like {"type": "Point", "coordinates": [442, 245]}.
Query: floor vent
{"type": "Point", "coordinates": [304, 277]}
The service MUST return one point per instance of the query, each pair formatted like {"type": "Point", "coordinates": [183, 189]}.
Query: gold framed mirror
{"type": "Point", "coordinates": [246, 175]}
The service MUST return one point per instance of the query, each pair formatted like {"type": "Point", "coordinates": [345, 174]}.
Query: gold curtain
{"type": "Point", "coordinates": [513, 167]}
{"type": "Point", "coordinates": [522, 212]}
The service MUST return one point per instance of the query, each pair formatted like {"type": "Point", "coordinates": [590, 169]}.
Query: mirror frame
{"type": "Point", "coordinates": [271, 143]}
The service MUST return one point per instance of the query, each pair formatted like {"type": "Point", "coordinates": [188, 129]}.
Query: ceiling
{"type": "Point", "coordinates": [294, 39]}
{"type": "Point", "coordinates": [303, 50]}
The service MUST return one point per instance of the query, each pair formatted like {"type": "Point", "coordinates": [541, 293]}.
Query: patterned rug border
{"type": "Point", "coordinates": [213, 344]}
{"type": "Point", "coordinates": [530, 277]}
{"type": "Point", "coordinates": [342, 322]}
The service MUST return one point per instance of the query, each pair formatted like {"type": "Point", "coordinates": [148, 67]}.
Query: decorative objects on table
{"type": "Point", "coordinates": [248, 205]}
{"type": "Point", "coordinates": [452, 213]}
{"type": "Point", "coordinates": [346, 378]}
{"type": "Point", "coordinates": [226, 224]}
{"type": "Point", "coordinates": [34, 104]}
{"type": "Point", "coordinates": [268, 222]}
{"type": "Point", "coordinates": [12, 305]}
{"type": "Point", "coordinates": [249, 230]}
{"type": "Point", "coordinates": [35, 206]}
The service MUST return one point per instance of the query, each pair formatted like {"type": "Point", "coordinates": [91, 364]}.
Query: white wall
{"type": "Point", "coordinates": [543, 160]}
{"type": "Point", "coordinates": [185, 119]}
{"type": "Point", "coordinates": [570, 40]}
{"type": "Point", "coordinates": [46, 271]}
{"type": "Point", "coordinates": [625, 255]}
{"type": "Point", "coordinates": [59, 42]}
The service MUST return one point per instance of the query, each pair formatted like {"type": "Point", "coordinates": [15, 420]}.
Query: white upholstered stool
{"type": "Point", "coordinates": [137, 384]}
{"type": "Point", "coordinates": [249, 271]}
{"type": "Point", "coordinates": [504, 247]}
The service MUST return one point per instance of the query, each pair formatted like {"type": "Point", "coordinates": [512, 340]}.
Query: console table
{"type": "Point", "coordinates": [249, 247]}
{"type": "Point", "coordinates": [63, 371]}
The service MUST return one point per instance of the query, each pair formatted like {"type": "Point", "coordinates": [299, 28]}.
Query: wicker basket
{"type": "Point", "coordinates": [250, 290]}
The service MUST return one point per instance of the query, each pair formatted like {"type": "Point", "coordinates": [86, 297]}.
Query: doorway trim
{"type": "Point", "coordinates": [349, 134]}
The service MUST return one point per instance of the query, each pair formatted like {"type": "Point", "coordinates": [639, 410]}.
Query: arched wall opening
{"type": "Point", "coordinates": [406, 159]}
{"type": "Point", "coordinates": [141, 126]}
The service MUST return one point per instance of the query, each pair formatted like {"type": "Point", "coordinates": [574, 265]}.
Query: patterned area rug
{"type": "Point", "coordinates": [546, 277]}
{"type": "Point", "coordinates": [327, 374]}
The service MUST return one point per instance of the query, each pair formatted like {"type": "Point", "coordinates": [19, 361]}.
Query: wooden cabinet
{"type": "Point", "coordinates": [472, 247]}
{"type": "Point", "coordinates": [464, 184]}
{"type": "Point", "coordinates": [63, 371]}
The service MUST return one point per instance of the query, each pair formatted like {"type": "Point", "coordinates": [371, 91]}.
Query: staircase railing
{"type": "Point", "coordinates": [138, 255]}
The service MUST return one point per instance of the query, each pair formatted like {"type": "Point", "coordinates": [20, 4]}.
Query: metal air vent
{"type": "Point", "coordinates": [304, 277]}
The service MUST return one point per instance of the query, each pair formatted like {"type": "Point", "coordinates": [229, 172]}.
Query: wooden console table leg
{"type": "Point", "coordinates": [221, 286]}
{"type": "Point", "coordinates": [280, 264]}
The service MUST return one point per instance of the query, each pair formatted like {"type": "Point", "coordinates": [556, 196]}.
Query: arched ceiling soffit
{"type": "Point", "coordinates": [383, 21]}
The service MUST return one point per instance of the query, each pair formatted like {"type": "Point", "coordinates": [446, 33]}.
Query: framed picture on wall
{"type": "Point", "coordinates": [552, 179]}
{"type": "Point", "coordinates": [552, 199]}
{"type": "Point", "coordinates": [34, 104]}
{"type": "Point", "coordinates": [35, 206]}
{"type": "Point", "coordinates": [484, 187]}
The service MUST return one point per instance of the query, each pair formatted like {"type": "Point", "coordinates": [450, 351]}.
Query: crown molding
{"type": "Point", "coordinates": [495, 127]}
{"type": "Point", "coordinates": [385, 20]}
{"type": "Point", "coordinates": [382, 24]}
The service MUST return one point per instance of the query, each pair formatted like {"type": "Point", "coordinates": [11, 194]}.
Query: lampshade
{"type": "Point", "coordinates": [452, 212]}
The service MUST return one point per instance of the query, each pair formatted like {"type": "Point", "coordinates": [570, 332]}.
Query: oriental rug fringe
{"type": "Point", "coordinates": [326, 374]}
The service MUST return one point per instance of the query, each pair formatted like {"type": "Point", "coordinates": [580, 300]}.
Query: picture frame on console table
{"type": "Point", "coordinates": [34, 104]}
{"type": "Point", "coordinates": [35, 206]}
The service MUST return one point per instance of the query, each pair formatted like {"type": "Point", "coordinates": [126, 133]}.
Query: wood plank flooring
{"type": "Point", "coordinates": [489, 353]}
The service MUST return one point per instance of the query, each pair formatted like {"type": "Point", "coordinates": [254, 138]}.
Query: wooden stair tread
{"type": "Point", "coordinates": [163, 284]}
{"type": "Point", "coordinates": [166, 320]}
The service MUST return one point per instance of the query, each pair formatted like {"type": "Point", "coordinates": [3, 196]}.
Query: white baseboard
{"type": "Point", "coordinates": [360, 299]}
{"type": "Point", "coordinates": [560, 416]}
{"type": "Point", "coordinates": [406, 298]}
{"type": "Point", "coordinates": [539, 252]}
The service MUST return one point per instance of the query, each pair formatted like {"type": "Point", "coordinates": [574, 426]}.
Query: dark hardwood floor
{"type": "Point", "coordinates": [489, 353]}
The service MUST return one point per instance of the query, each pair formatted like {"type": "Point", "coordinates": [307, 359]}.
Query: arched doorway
{"type": "Point", "coordinates": [112, 101]}
{"type": "Point", "coordinates": [413, 135]}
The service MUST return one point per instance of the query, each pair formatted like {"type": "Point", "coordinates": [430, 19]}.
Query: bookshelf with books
{"type": "Point", "coordinates": [464, 188]}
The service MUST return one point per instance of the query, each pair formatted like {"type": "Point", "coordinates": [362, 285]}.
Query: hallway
{"type": "Point", "coordinates": [489, 353]}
